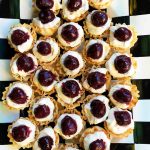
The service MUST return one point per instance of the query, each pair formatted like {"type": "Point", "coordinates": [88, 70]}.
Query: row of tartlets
{"type": "Point", "coordinates": [56, 84]}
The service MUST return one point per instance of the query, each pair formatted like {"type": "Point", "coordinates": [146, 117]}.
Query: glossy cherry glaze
{"type": "Point", "coordinates": [98, 108]}
{"type": "Point", "coordinates": [70, 88]}
{"type": "Point", "coordinates": [97, 145]}
{"type": "Point", "coordinates": [69, 33]}
{"type": "Point", "coordinates": [18, 96]}
{"type": "Point", "coordinates": [96, 79]}
{"type": "Point", "coordinates": [74, 5]}
{"type": "Point", "coordinates": [44, 4]}
{"type": "Point", "coordinates": [71, 62]}
{"type": "Point", "coordinates": [68, 126]}
{"type": "Point", "coordinates": [122, 63]}
{"type": "Point", "coordinates": [123, 118]}
{"type": "Point", "coordinates": [19, 37]}
{"type": "Point", "coordinates": [20, 133]}
{"type": "Point", "coordinates": [44, 48]}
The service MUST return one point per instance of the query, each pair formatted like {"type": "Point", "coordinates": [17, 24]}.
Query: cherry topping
{"type": "Point", "coordinates": [99, 18]}
{"type": "Point", "coordinates": [123, 118]}
{"type": "Point", "coordinates": [68, 126]}
{"type": "Point", "coordinates": [18, 96]}
{"type": "Point", "coordinates": [70, 88]}
{"type": "Point", "coordinates": [122, 95]}
{"type": "Point", "coordinates": [25, 63]}
{"type": "Point", "coordinates": [46, 16]}
{"type": "Point", "coordinates": [95, 51]}
{"type": "Point", "coordinates": [96, 79]}
{"type": "Point", "coordinates": [46, 77]}
{"type": "Point", "coordinates": [74, 5]}
{"type": "Point", "coordinates": [122, 63]}
{"type": "Point", "coordinates": [45, 143]}
{"type": "Point", "coordinates": [71, 62]}
{"type": "Point", "coordinates": [20, 133]}
{"type": "Point", "coordinates": [44, 4]}
{"type": "Point", "coordinates": [122, 34]}
{"type": "Point", "coordinates": [97, 145]}
{"type": "Point", "coordinates": [98, 108]}
{"type": "Point", "coordinates": [44, 48]}
{"type": "Point", "coordinates": [41, 111]}
{"type": "Point", "coordinates": [19, 37]}
{"type": "Point", "coordinates": [69, 33]}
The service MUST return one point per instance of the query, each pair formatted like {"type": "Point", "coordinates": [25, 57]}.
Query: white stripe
{"type": "Point", "coordinates": [8, 147]}
{"type": "Point", "coordinates": [141, 111]}
{"type": "Point", "coordinates": [5, 25]}
{"type": "Point", "coordinates": [142, 23]}
{"type": "Point", "coordinates": [118, 8]}
{"type": "Point", "coordinates": [8, 115]}
{"type": "Point", "coordinates": [5, 70]}
{"type": "Point", "coordinates": [26, 9]}
{"type": "Point", "coordinates": [142, 146]}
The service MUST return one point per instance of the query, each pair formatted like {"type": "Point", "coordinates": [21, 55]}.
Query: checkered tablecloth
{"type": "Point", "coordinates": [134, 12]}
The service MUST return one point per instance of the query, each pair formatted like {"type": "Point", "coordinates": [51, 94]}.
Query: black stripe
{"type": "Point", "coordinates": [139, 7]}
{"type": "Point", "coordinates": [6, 52]}
{"type": "Point", "coordinates": [3, 84]}
{"type": "Point", "coordinates": [10, 9]}
{"type": "Point", "coordinates": [143, 87]}
{"type": "Point", "coordinates": [121, 20]}
{"type": "Point", "coordinates": [122, 146]}
{"type": "Point", "coordinates": [4, 140]}
{"type": "Point", "coordinates": [142, 132]}
{"type": "Point", "coordinates": [28, 21]}
{"type": "Point", "coordinates": [142, 46]}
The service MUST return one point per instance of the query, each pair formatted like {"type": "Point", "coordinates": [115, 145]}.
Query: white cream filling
{"type": "Point", "coordinates": [116, 43]}
{"type": "Point", "coordinates": [32, 128]}
{"type": "Point", "coordinates": [26, 88]}
{"type": "Point", "coordinates": [76, 55]}
{"type": "Point", "coordinates": [115, 88]}
{"type": "Point", "coordinates": [45, 132]}
{"type": "Point", "coordinates": [79, 123]}
{"type": "Point", "coordinates": [96, 30]}
{"type": "Point", "coordinates": [71, 148]}
{"type": "Point", "coordinates": [88, 87]}
{"type": "Point", "coordinates": [74, 43]}
{"type": "Point", "coordinates": [95, 136]}
{"type": "Point", "coordinates": [43, 88]}
{"type": "Point", "coordinates": [55, 50]}
{"type": "Point", "coordinates": [89, 115]}
{"type": "Point", "coordinates": [24, 46]}
{"type": "Point", "coordinates": [75, 14]}
{"type": "Point", "coordinates": [44, 101]}
{"type": "Point", "coordinates": [112, 123]}
{"type": "Point", "coordinates": [111, 67]}
{"type": "Point", "coordinates": [22, 73]}
{"type": "Point", "coordinates": [63, 97]}
{"type": "Point", "coordinates": [106, 48]}
{"type": "Point", "coordinates": [48, 25]}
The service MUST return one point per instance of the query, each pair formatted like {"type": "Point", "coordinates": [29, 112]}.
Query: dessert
{"type": "Point", "coordinates": [68, 146]}
{"type": "Point", "coordinates": [96, 108]}
{"type": "Point", "coordinates": [46, 50]}
{"type": "Point", "coordinates": [18, 95]}
{"type": "Point", "coordinates": [122, 37]}
{"type": "Point", "coordinates": [121, 65]}
{"type": "Point", "coordinates": [119, 123]}
{"type": "Point", "coordinates": [69, 93]}
{"type": "Point", "coordinates": [43, 110]}
{"type": "Point", "coordinates": [74, 10]}
{"type": "Point", "coordinates": [97, 80]}
{"type": "Point", "coordinates": [96, 51]}
{"type": "Point", "coordinates": [97, 24]}
{"type": "Point", "coordinates": [95, 138]}
{"type": "Point", "coordinates": [72, 63]}
{"type": "Point", "coordinates": [123, 94]}
{"type": "Point", "coordinates": [22, 37]}
{"type": "Point", "coordinates": [46, 23]}
{"type": "Point", "coordinates": [70, 36]}
{"type": "Point", "coordinates": [22, 133]}
{"type": "Point", "coordinates": [47, 139]}
{"type": "Point", "coordinates": [22, 66]}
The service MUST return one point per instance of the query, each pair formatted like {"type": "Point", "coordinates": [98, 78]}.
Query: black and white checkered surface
{"type": "Point", "coordinates": [134, 12]}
